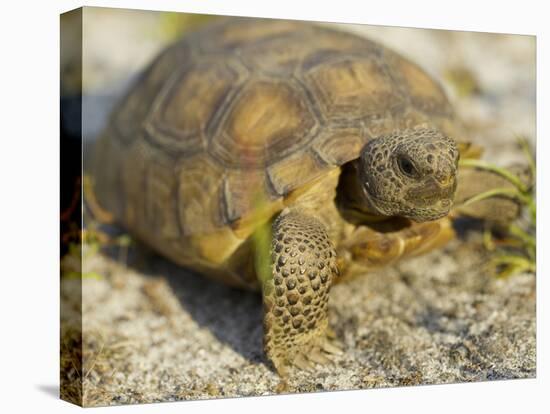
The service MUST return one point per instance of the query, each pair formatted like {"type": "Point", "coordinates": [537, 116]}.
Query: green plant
{"type": "Point", "coordinates": [515, 250]}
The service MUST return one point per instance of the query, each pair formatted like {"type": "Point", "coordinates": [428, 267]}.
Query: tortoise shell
{"type": "Point", "coordinates": [225, 124]}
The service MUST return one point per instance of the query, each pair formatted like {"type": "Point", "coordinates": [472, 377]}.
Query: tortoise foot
{"type": "Point", "coordinates": [307, 356]}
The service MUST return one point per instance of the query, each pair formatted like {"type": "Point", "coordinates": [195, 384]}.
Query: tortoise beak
{"type": "Point", "coordinates": [433, 192]}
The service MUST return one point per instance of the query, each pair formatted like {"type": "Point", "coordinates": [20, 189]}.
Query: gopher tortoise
{"type": "Point", "coordinates": [285, 157]}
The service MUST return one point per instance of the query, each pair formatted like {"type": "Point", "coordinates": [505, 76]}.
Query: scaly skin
{"type": "Point", "coordinates": [296, 297]}
{"type": "Point", "coordinates": [411, 173]}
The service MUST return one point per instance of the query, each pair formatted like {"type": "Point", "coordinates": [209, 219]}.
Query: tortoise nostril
{"type": "Point", "coordinates": [445, 180]}
{"type": "Point", "coordinates": [445, 176]}
{"type": "Point", "coordinates": [445, 203]}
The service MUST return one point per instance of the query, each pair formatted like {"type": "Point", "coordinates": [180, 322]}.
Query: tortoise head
{"type": "Point", "coordinates": [410, 173]}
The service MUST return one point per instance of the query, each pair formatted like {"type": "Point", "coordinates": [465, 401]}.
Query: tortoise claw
{"type": "Point", "coordinates": [332, 347]}
{"type": "Point", "coordinates": [303, 363]}
{"type": "Point", "coordinates": [319, 357]}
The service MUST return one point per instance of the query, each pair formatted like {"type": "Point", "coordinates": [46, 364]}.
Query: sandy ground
{"type": "Point", "coordinates": [156, 332]}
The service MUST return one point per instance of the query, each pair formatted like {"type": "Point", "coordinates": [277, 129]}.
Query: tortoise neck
{"type": "Point", "coordinates": [351, 200]}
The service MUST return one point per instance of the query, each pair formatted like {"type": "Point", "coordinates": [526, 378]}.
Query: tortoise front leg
{"type": "Point", "coordinates": [295, 296]}
{"type": "Point", "coordinates": [367, 249]}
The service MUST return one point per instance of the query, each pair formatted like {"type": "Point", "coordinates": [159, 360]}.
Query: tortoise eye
{"type": "Point", "coordinates": [407, 167]}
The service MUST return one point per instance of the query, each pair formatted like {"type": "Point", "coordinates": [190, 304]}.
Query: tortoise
{"type": "Point", "coordinates": [282, 156]}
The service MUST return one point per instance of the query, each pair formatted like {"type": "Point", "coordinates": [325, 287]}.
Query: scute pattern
{"type": "Point", "coordinates": [424, 93]}
{"type": "Point", "coordinates": [230, 34]}
{"type": "Point", "coordinates": [268, 120]}
{"type": "Point", "coordinates": [354, 88]}
{"type": "Point", "coordinates": [200, 180]}
{"type": "Point", "coordinates": [194, 97]}
{"type": "Point", "coordinates": [161, 200]}
{"type": "Point", "coordinates": [294, 171]}
{"type": "Point", "coordinates": [247, 201]}
{"type": "Point", "coordinates": [249, 109]}
{"type": "Point", "coordinates": [336, 146]}
{"type": "Point", "coordinates": [129, 119]}
{"type": "Point", "coordinates": [133, 170]}
{"type": "Point", "coordinates": [278, 56]}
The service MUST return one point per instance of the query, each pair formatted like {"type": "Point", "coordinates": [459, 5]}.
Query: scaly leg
{"type": "Point", "coordinates": [367, 249]}
{"type": "Point", "coordinates": [303, 268]}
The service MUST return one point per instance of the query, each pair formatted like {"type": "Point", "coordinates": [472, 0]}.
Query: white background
{"type": "Point", "coordinates": [29, 194]}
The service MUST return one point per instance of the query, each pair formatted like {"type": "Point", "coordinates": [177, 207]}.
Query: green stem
{"type": "Point", "coordinates": [505, 192]}
{"type": "Point", "coordinates": [470, 162]}
{"type": "Point", "coordinates": [519, 262]}
{"type": "Point", "coordinates": [522, 235]}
